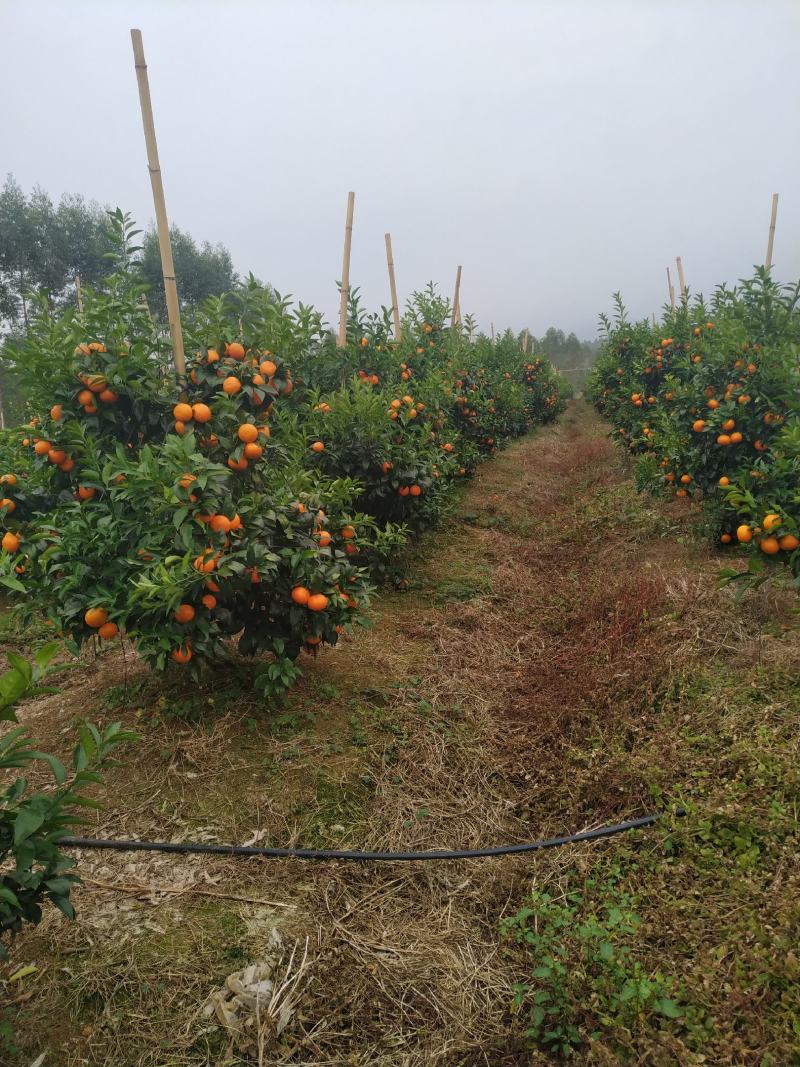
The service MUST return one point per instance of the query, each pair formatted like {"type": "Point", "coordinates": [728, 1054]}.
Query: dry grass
{"type": "Point", "coordinates": [538, 678]}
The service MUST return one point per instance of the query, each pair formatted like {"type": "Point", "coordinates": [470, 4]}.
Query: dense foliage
{"type": "Point", "coordinates": [709, 404]}
{"type": "Point", "coordinates": [32, 822]}
{"type": "Point", "coordinates": [259, 500]}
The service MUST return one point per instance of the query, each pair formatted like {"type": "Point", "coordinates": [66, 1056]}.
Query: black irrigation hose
{"type": "Point", "coordinates": [344, 854]}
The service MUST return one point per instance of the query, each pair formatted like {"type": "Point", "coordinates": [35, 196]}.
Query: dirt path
{"type": "Point", "coordinates": [536, 678]}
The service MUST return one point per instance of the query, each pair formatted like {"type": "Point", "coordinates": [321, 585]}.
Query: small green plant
{"type": "Point", "coordinates": [585, 975]}
{"type": "Point", "coordinates": [32, 823]}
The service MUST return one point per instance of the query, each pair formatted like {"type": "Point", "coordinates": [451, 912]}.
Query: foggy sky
{"type": "Point", "coordinates": [559, 151]}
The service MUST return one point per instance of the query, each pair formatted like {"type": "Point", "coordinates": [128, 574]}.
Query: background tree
{"type": "Point", "coordinates": [201, 271]}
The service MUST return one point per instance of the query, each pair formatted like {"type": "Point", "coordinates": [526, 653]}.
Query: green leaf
{"type": "Point", "coordinates": [26, 823]}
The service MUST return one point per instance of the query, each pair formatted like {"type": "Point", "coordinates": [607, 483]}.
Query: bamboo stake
{"type": "Point", "coordinates": [78, 293]}
{"type": "Point", "coordinates": [525, 341]}
{"type": "Point", "coordinates": [392, 286]}
{"type": "Point", "coordinates": [681, 279]}
{"type": "Point", "coordinates": [492, 325]}
{"type": "Point", "coordinates": [456, 299]}
{"type": "Point", "coordinates": [654, 319]}
{"type": "Point", "coordinates": [162, 223]}
{"type": "Point", "coordinates": [671, 289]}
{"type": "Point", "coordinates": [345, 295]}
{"type": "Point", "coordinates": [771, 239]}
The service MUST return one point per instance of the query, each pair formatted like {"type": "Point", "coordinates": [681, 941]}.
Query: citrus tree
{"type": "Point", "coordinates": [709, 405]}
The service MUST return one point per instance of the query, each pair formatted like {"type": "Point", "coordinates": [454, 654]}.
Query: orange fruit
{"type": "Point", "coordinates": [723, 439]}
{"type": "Point", "coordinates": [301, 595]}
{"type": "Point", "coordinates": [724, 481]}
{"type": "Point", "coordinates": [317, 602]}
{"type": "Point", "coordinates": [184, 613]}
{"type": "Point", "coordinates": [182, 412]}
{"type": "Point", "coordinates": [681, 492]}
{"type": "Point", "coordinates": [408, 400]}
{"type": "Point", "coordinates": [108, 630]}
{"type": "Point", "coordinates": [416, 490]}
{"type": "Point", "coordinates": [234, 350]}
{"type": "Point", "coordinates": [736, 438]}
{"type": "Point", "coordinates": [205, 563]}
{"type": "Point", "coordinates": [209, 601]}
{"type": "Point", "coordinates": [86, 492]}
{"type": "Point", "coordinates": [108, 396]}
{"type": "Point", "coordinates": [729, 424]}
{"type": "Point", "coordinates": [772, 520]}
{"type": "Point", "coordinates": [237, 464]}
{"type": "Point", "coordinates": [236, 522]}
{"type": "Point", "coordinates": [404, 490]}
{"type": "Point", "coordinates": [698, 425]}
{"type": "Point", "coordinates": [386, 466]}
{"type": "Point", "coordinates": [318, 446]}
{"type": "Point", "coordinates": [231, 385]}
{"type": "Point", "coordinates": [95, 617]}
{"type": "Point", "coordinates": [186, 480]}
{"type": "Point", "coordinates": [686, 478]}
{"type": "Point", "coordinates": [770, 545]}
{"type": "Point", "coordinates": [11, 541]}
{"type": "Point", "coordinates": [213, 355]}
{"type": "Point", "coordinates": [57, 456]}
{"type": "Point", "coordinates": [182, 654]}
{"type": "Point", "coordinates": [348, 532]}
{"type": "Point", "coordinates": [201, 412]}
{"type": "Point", "coordinates": [220, 524]}
{"type": "Point", "coordinates": [9, 479]}
{"type": "Point", "coordinates": [212, 586]}
{"type": "Point", "coordinates": [744, 534]}
{"type": "Point", "coordinates": [56, 412]}
{"type": "Point", "coordinates": [67, 464]}
{"type": "Point", "coordinates": [253, 451]}
{"type": "Point", "coordinates": [789, 542]}
{"type": "Point", "coordinates": [324, 538]}
{"type": "Point", "coordinates": [726, 539]}
{"type": "Point", "coordinates": [268, 368]}
{"type": "Point", "coordinates": [248, 432]}
{"type": "Point", "coordinates": [41, 448]}
{"type": "Point", "coordinates": [180, 428]}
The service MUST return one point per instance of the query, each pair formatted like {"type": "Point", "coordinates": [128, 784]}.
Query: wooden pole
{"type": "Point", "coordinates": [392, 286]}
{"type": "Point", "coordinates": [525, 340]}
{"type": "Point", "coordinates": [771, 239]}
{"type": "Point", "coordinates": [492, 325]}
{"type": "Point", "coordinates": [162, 224]}
{"type": "Point", "coordinates": [78, 296]}
{"type": "Point", "coordinates": [456, 299]}
{"type": "Point", "coordinates": [681, 279]}
{"type": "Point", "coordinates": [671, 289]}
{"type": "Point", "coordinates": [345, 295]}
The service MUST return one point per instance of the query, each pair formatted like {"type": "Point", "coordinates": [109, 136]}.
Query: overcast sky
{"type": "Point", "coordinates": [559, 151]}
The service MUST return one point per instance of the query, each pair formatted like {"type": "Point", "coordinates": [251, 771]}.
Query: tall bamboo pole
{"type": "Point", "coordinates": [525, 341]}
{"type": "Point", "coordinates": [456, 299]}
{"type": "Point", "coordinates": [670, 289]}
{"type": "Point", "coordinates": [78, 297]}
{"type": "Point", "coordinates": [392, 286]}
{"type": "Point", "coordinates": [162, 224]}
{"type": "Point", "coordinates": [345, 294]}
{"type": "Point", "coordinates": [492, 325]}
{"type": "Point", "coordinates": [771, 238]}
{"type": "Point", "coordinates": [681, 278]}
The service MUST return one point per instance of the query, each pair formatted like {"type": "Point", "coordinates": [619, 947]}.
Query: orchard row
{"type": "Point", "coordinates": [708, 403]}
{"type": "Point", "coordinates": [262, 498]}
